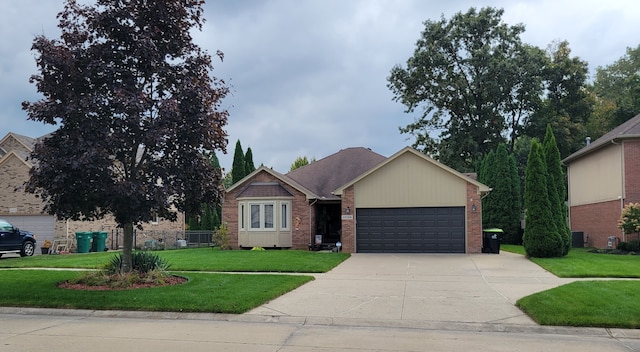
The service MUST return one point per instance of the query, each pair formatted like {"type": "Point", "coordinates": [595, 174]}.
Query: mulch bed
{"type": "Point", "coordinates": [168, 281]}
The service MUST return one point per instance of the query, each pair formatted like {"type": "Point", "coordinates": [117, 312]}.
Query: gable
{"type": "Point", "coordinates": [408, 180]}
{"type": "Point", "coordinates": [596, 177]}
{"type": "Point", "coordinates": [21, 144]}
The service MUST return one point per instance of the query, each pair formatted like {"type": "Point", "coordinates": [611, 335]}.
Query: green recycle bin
{"type": "Point", "coordinates": [99, 241]}
{"type": "Point", "coordinates": [83, 240]}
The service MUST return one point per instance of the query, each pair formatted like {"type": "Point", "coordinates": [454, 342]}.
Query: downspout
{"type": "Point", "coordinates": [311, 238]}
{"type": "Point", "coordinates": [622, 183]}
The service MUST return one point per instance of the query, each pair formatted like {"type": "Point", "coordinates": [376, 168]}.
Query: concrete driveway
{"type": "Point", "coordinates": [479, 288]}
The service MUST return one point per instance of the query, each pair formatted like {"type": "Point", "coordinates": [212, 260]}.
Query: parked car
{"type": "Point", "coordinates": [14, 240]}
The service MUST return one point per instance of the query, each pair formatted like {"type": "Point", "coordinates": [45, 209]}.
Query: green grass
{"type": "Point", "coordinates": [512, 248]}
{"type": "Point", "coordinates": [199, 259]}
{"type": "Point", "coordinates": [586, 303]}
{"type": "Point", "coordinates": [607, 303]}
{"type": "Point", "coordinates": [205, 292]}
{"type": "Point", "coordinates": [582, 263]}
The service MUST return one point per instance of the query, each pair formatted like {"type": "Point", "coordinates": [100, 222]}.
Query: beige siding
{"type": "Point", "coordinates": [278, 237]}
{"type": "Point", "coordinates": [409, 181]}
{"type": "Point", "coordinates": [597, 178]}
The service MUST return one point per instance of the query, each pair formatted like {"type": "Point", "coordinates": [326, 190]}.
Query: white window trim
{"type": "Point", "coordinates": [286, 217]}
{"type": "Point", "coordinates": [262, 204]}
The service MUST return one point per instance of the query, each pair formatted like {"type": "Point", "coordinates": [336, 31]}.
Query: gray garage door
{"type": "Point", "coordinates": [41, 225]}
{"type": "Point", "coordinates": [410, 230]}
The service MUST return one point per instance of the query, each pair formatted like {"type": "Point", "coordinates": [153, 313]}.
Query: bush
{"type": "Point", "coordinates": [221, 237]}
{"type": "Point", "coordinates": [630, 219]}
{"type": "Point", "coordinates": [142, 263]}
{"type": "Point", "coordinates": [631, 246]}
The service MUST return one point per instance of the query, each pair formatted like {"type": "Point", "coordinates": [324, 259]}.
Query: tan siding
{"type": "Point", "coordinates": [596, 178]}
{"type": "Point", "coordinates": [409, 181]}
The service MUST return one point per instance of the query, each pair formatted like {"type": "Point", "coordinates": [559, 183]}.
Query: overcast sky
{"type": "Point", "coordinates": [309, 76]}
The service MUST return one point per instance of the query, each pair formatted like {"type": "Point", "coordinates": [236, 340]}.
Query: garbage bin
{"type": "Point", "coordinates": [83, 240]}
{"type": "Point", "coordinates": [99, 241]}
{"type": "Point", "coordinates": [491, 240]}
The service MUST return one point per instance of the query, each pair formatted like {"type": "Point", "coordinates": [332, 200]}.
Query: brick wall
{"type": "Point", "coordinates": [348, 226]}
{"type": "Point", "coordinates": [631, 171]}
{"type": "Point", "coordinates": [598, 221]}
{"type": "Point", "coordinates": [474, 220]}
{"type": "Point", "coordinates": [13, 199]}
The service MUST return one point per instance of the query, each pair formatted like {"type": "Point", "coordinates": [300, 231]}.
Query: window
{"type": "Point", "coordinates": [241, 215]}
{"type": "Point", "coordinates": [266, 216]}
{"type": "Point", "coordinates": [262, 216]}
{"type": "Point", "coordinates": [284, 215]}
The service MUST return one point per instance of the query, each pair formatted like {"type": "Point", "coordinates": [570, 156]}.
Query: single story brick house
{"type": "Point", "coordinates": [367, 202]}
{"type": "Point", "coordinates": [25, 210]}
{"type": "Point", "coordinates": [603, 177]}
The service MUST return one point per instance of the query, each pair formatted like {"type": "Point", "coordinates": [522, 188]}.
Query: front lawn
{"type": "Point", "coordinates": [586, 303]}
{"type": "Point", "coordinates": [199, 259]}
{"type": "Point", "coordinates": [205, 292]}
{"type": "Point", "coordinates": [606, 303]}
{"type": "Point", "coordinates": [582, 263]}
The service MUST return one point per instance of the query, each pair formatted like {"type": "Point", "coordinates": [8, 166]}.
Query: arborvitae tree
{"type": "Point", "coordinates": [248, 162]}
{"type": "Point", "coordinates": [556, 188]}
{"type": "Point", "coordinates": [501, 207]}
{"type": "Point", "coordinates": [238, 169]}
{"type": "Point", "coordinates": [541, 238]}
{"type": "Point", "coordinates": [515, 234]}
{"type": "Point", "coordinates": [485, 175]}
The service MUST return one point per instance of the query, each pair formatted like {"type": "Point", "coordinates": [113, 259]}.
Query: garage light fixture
{"type": "Point", "coordinates": [473, 208]}
{"type": "Point", "coordinates": [348, 210]}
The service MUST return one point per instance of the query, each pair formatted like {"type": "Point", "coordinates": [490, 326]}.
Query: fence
{"type": "Point", "coordinates": [160, 239]}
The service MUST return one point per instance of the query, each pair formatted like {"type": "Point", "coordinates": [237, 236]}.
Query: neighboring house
{"type": "Point", "coordinates": [405, 203]}
{"type": "Point", "coordinates": [603, 177]}
{"type": "Point", "coordinates": [25, 210]}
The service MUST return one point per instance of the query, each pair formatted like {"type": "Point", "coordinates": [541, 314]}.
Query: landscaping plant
{"type": "Point", "coordinates": [630, 219]}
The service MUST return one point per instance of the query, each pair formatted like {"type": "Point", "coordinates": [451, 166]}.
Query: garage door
{"type": "Point", "coordinates": [41, 225]}
{"type": "Point", "coordinates": [410, 230]}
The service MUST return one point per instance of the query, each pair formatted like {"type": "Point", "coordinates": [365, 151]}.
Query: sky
{"type": "Point", "coordinates": [309, 77]}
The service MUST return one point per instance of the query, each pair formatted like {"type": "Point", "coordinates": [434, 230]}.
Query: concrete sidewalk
{"type": "Point", "coordinates": [480, 288]}
{"type": "Point", "coordinates": [381, 302]}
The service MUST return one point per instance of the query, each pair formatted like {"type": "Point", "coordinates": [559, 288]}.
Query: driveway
{"type": "Point", "coordinates": [478, 288]}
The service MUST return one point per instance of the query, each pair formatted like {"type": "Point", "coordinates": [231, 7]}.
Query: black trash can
{"type": "Point", "coordinates": [491, 240]}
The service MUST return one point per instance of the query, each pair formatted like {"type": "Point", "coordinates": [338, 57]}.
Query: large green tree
{"type": "Point", "coordinates": [474, 80]}
{"type": "Point", "coordinates": [541, 238]}
{"type": "Point", "coordinates": [619, 84]}
{"type": "Point", "coordinates": [136, 105]}
{"type": "Point", "coordinates": [567, 104]}
{"type": "Point", "coordinates": [501, 208]}
{"type": "Point", "coordinates": [300, 162]}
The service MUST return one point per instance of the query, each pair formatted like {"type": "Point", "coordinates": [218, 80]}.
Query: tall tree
{"type": "Point", "coordinates": [619, 83]}
{"type": "Point", "coordinates": [136, 104]}
{"type": "Point", "coordinates": [567, 104]}
{"type": "Point", "coordinates": [238, 167]}
{"type": "Point", "coordinates": [556, 188]}
{"type": "Point", "coordinates": [248, 162]}
{"type": "Point", "coordinates": [541, 238]}
{"type": "Point", "coordinates": [502, 206]}
{"type": "Point", "coordinates": [474, 79]}
{"type": "Point", "coordinates": [300, 162]}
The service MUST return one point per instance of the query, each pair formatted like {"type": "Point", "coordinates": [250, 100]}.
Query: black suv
{"type": "Point", "coordinates": [14, 240]}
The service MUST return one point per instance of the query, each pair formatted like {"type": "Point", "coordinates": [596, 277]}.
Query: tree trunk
{"type": "Point", "coordinates": [127, 249]}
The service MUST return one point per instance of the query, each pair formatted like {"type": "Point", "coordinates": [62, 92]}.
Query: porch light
{"type": "Point", "coordinates": [348, 210]}
{"type": "Point", "coordinates": [473, 208]}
